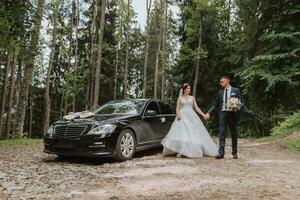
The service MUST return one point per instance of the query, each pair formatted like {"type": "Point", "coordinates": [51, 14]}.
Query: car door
{"type": "Point", "coordinates": [152, 123]}
{"type": "Point", "coordinates": [167, 117]}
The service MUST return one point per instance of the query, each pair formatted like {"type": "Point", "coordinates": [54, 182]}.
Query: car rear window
{"type": "Point", "coordinates": [165, 108]}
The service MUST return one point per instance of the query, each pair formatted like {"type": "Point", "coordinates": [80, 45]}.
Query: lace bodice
{"type": "Point", "coordinates": [186, 102]}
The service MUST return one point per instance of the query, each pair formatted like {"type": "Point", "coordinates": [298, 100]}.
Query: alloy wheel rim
{"type": "Point", "coordinates": [127, 145]}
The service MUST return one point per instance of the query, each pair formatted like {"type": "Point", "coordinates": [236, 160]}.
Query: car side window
{"type": "Point", "coordinates": [165, 108]}
{"type": "Point", "coordinates": [153, 107]}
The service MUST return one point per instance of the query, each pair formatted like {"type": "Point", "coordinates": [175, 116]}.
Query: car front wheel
{"type": "Point", "coordinates": [126, 144]}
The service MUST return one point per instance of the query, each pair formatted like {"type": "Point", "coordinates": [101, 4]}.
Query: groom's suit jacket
{"type": "Point", "coordinates": [218, 103]}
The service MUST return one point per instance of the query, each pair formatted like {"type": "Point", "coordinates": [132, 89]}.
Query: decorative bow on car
{"type": "Point", "coordinates": [76, 115]}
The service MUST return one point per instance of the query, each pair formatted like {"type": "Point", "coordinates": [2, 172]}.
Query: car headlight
{"type": "Point", "coordinates": [50, 131]}
{"type": "Point", "coordinates": [103, 130]}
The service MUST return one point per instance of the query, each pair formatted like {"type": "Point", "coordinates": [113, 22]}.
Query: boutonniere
{"type": "Point", "coordinates": [233, 94]}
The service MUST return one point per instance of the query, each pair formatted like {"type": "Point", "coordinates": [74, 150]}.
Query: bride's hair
{"type": "Point", "coordinates": [184, 86]}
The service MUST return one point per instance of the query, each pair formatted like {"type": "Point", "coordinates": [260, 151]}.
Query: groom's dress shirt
{"type": "Point", "coordinates": [226, 97]}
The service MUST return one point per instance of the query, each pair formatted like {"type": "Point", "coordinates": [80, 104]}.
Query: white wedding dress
{"type": "Point", "coordinates": [188, 136]}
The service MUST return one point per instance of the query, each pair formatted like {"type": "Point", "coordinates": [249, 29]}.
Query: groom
{"type": "Point", "coordinates": [227, 117]}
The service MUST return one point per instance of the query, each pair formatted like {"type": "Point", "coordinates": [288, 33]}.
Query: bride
{"type": "Point", "coordinates": [188, 136]}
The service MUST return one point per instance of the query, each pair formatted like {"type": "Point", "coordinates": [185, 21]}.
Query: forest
{"type": "Point", "coordinates": [59, 56]}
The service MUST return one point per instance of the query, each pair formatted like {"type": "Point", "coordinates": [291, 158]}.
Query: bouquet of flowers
{"type": "Point", "coordinates": [234, 103]}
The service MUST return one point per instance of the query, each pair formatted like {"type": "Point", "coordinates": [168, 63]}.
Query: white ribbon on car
{"type": "Point", "coordinates": [81, 115]}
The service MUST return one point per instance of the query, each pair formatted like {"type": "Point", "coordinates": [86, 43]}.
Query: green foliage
{"type": "Point", "coordinates": [270, 72]}
{"type": "Point", "coordinates": [289, 126]}
{"type": "Point", "coordinates": [285, 128]}
{"type": "Point", "coordinates": [294, 145]}
{"type": "Point", "coordinates": [255, 42]}
{"type": "Point", "coordinates": [12, 23]}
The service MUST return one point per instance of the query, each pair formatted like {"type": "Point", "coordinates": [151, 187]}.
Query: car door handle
{"type": "Point", "coordinates": [163, 120]}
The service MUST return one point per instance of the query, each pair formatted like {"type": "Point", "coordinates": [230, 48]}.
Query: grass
{"type": "Point", "coordinates": [270, 138]}
{"type": "Point", "coordinates": [285, 129]}
{"type": "Point", "coordinates": [289, 126]}
{"type": "Point", "coordinates": [294, 145]}
{"type": "Point", "coordinates": [21, 141]}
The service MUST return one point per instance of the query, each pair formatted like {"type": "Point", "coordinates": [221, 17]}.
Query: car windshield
{"type": "Point", "coordinates": [125, 107]}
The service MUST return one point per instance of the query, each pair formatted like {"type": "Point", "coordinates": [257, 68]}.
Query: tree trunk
{"type": "Point", "coordinates": [30, 109]}
{"type": "Point", "coordinates": [198, 60]}
{"type": "Point", "coordinates": [66, 104]}
{"type": "Point", "coordinates": [11, 97]}
{"type": "Point", "coordinates": [92, 85]}
{"type": "Point", "coordinates": [76, 54]}
{"type": "Point", "coordinates": [93, 32]}
{"type": "Point", "coordinates": [149, 2]}
{"type": "Point", "coordinates": [17, 93]}
{"type": "Point", "coordinates": [99, 55]}
{"type": "Point", "coordinates": [117, 58]}
{"type": "Point", "coordinates": [4, 91]}
{"type": "Point", "coordinates": [159, 37]}
{"type": "Point", "coordinates": [87, 94]}
{"type": "Point", "coordinates": [47, 101]}
{"type": "Point", "coordinates": [127, 50]}
{"type": "Point", "coordinates": [29, 67]}
{"type": "Point", "coordinates": [228, 24]}
{"type": "Point", "coordinates": [61, 107]}
{"type": "Point", "coordinates": [116, 74]}
{"type": "Point", "coordinates": [67, 92]}
{"type": "Point", "coordinates": [165, 32]}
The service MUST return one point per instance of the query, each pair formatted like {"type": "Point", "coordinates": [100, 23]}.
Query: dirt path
{"type": "Point", "coordinates": [262, 172]}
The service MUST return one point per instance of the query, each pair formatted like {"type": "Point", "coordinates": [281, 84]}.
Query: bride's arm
{"type": "Point", "coordinates": [177, 110]}
{"type": "Point", "coordinates": [196, 107]}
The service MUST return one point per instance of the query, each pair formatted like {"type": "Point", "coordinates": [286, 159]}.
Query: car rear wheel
{"type": "Point", "coordinates": [126, 144]}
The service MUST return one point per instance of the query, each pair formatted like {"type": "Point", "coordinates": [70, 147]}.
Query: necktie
{"type": "Point", "coordinates": [225, 99]}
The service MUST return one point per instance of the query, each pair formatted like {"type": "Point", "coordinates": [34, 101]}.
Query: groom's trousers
{"type": "Point", "coordinates": [227, 119]}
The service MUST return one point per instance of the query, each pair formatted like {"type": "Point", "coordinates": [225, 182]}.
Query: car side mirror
{"type": "Point", "coordinates": [150, 113]}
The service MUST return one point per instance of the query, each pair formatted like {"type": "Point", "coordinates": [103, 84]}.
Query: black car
{"type": "Point", "coordinates": [118, 129]}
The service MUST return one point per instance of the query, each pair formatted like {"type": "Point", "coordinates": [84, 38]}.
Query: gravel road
{"type": "Point", "coordinates": [262, 172]}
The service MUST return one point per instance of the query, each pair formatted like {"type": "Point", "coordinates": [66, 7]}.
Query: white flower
{"type": "Point", "coordinates": [234, 104]}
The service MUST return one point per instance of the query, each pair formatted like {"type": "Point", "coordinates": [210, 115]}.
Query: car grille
{"type": "Point", "coordinates": [69, 131]}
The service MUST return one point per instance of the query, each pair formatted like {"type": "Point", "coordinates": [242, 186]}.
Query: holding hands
{"type": "Point", "coordinates": [178, 117]}
{"type": "Point", "coordinates": [206, 116]}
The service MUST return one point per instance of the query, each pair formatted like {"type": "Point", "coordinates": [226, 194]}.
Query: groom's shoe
{"type": "Point", "coordinates": [219, 157]}
{"type": "Point", "coordinates": [235, 157]}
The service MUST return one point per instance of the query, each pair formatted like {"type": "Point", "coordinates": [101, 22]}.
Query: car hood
{"type": "Point", "coordinates": [100, 119]}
